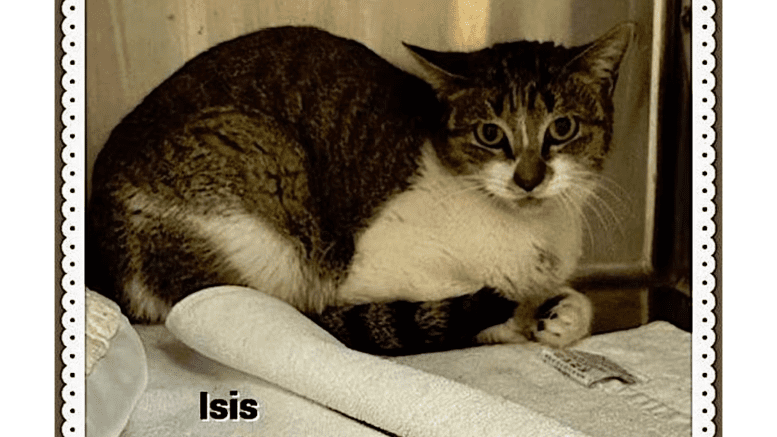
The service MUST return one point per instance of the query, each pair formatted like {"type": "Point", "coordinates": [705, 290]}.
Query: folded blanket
{"type": "Point", "coordinates": [496, 390]}
{"type": "Point", "coordinates": [116, 373]}
{"type": "Point", "coordinates": [658, 405]}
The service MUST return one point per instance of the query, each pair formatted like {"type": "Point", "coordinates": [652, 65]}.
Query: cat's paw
{"type": "Point", "coordinates": [564, 319]}
{"type": "Point", "coordinates": [508, 332]}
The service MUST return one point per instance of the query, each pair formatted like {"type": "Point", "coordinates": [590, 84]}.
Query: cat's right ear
{"type": "Point", "coordinates": [443, 70]}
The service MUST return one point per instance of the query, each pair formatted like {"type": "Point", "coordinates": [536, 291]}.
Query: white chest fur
{"type": "Point", "coordinates": [441, 239]}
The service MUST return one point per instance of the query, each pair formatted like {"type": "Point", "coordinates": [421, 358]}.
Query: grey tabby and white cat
{"type": "Point", "coordinates": [403, 215]}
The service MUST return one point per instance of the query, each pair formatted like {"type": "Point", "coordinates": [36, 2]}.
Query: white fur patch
{"type": "Point", "coordinates": [442, 238]}
{"type": "Point", "coordinates": [265, 259]}
{"type": "Point", "coordinates": [564, 171]}
{"type": "Point", "coordinates": [499, 179]}
{"type": "Point", "coordinates": [145, 305]}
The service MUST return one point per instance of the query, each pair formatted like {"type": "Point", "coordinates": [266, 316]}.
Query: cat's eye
{"type": "Point", "coordinates": [561, 130]}
{"type": "Point", "coordinates": [489, 135]}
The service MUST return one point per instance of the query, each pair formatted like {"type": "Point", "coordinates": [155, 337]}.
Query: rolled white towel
{"type": "Point", "coordinates": [263, 336]}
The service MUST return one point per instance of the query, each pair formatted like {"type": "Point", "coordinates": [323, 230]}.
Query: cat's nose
{"type": "Point", "coordinates": [530, 172]}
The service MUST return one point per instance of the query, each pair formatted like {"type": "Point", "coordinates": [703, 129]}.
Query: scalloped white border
{"type": "Point", "coordinates": [73, 212]}
{"type": "Point", "coordinates": [73, 209]}
{"type": "Point", "coordinates": [703, 210]}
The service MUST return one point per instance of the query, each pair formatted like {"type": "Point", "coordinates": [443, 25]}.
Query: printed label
{"type": "Point", "coordinates": [586, 368]}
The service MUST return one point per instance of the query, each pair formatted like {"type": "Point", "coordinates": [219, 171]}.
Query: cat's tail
{"type": "Point", "coordinates": [402, 327]}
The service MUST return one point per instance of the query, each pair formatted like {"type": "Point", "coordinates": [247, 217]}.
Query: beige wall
{"type": "Point", "coordinates": [132, 45]}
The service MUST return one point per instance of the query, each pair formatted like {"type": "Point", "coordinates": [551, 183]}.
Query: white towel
{"type": "Point", "coordinates": [658, 406]}
{"type": "Point", "coordinates": [266, 337]}
{"type": "Point", "coordinates": [170, 406]}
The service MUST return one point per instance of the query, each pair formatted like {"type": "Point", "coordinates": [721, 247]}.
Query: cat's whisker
{"type": "Point", "coordinates": [607, 186]}
{"type": "Point", "coordinates": [596, 191]}
{"type": "Point", "coordinates": [622, 204]}
{"type": "Point", "coordinates": [606, 217]}
{"type": "Point", "coordinates": [580, 202]}
{"type": "Point", "coordinates": [596, 201]}
{"type": "Point", "coordinates": [575, 212]}
{"type": "Point", "coordinates": [607, 180]}
{"type": "Point", "coordinates": [581, 205]}
{"type": "Point", "coordinates": [617, 213]}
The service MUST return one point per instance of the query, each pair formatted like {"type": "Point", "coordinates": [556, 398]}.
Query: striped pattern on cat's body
{"type": "Point", "coordinates": [305, 166]}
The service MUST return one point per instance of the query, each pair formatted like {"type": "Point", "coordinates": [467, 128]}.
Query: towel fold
{"type": "Point", "coordinates": [116, 372]}
{"type": "Point", "coordinates": [263, 336]}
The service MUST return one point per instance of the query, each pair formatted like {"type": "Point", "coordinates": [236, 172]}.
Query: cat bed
{"type": "Point", "coordinates": [231, 339]}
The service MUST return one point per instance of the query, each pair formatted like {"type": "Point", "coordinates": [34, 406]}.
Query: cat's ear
{"type": "Point", "coordinates": [600, 60]}
{"type": "Point", "coordinates": [443, 69]}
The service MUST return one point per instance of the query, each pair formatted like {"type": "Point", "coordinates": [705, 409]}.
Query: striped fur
{"type": "Point", "coordinates": [402, 214]}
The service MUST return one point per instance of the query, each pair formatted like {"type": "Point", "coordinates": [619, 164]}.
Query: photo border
{"type": "Point", "coordinates": [73, 180]}
{"type": "Point", "coordinates": [705, 197]}
{"type": "Point", "coordinates": [703, 85]}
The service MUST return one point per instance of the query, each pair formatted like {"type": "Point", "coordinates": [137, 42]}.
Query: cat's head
{"type": "Point", "coordinates": [527, 121]}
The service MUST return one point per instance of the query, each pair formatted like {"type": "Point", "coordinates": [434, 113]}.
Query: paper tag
{"type": "Point", "coordinates": [586, 368]}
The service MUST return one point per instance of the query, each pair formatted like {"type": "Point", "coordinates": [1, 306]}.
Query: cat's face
{"type": "Point", "coordinates": [528, 121]}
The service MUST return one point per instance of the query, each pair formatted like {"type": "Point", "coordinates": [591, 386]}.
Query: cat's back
{"type": "Point", "coordinates": [300, 91]}
{"type": "Point", "coordinates": [302, 75]}
{"type": "Point", "coordinates": [289, 134]}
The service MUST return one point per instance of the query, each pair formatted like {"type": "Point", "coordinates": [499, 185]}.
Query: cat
{"type": "Point", "coordinates": [403, 214]}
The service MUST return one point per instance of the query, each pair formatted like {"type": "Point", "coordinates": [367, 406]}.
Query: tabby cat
{"type": "Point", "coordinates": [402, 214]}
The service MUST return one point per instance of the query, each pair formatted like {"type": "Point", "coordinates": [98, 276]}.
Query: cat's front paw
{"type": "Point", "coordinates": [510, 331]}
{"type": "Point", "coordinates": [563, 319]}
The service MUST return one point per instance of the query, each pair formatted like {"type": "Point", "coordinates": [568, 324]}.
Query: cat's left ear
{"type": "Point", "coordinates": [444, 70]}
{"type": "Point", "coordinates": [601, 59]}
